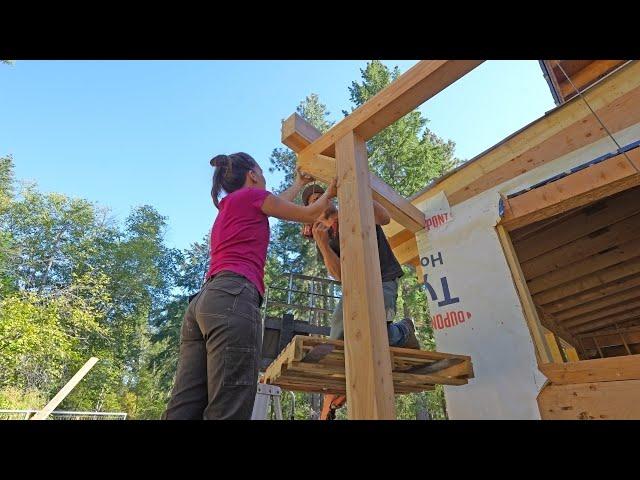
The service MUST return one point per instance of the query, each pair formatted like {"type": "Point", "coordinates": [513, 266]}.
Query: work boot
{"type": "Point", "coordinates": [409, 329]}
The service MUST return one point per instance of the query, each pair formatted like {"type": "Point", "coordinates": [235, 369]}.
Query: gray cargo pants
{"type": "Point", "coordinates": [389, 295]}
{"type": "Point", "coordinates": [220, 349]}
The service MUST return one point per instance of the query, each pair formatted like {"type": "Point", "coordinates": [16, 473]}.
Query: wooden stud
{"type": "Point", "coordinates": [626, 346]}
{"type": "Point", "coordinates": [556, 356]}
{"type": "Point", "coordinates": [595, 340]}
{"type": "Point", "coordinates": [367, 358]}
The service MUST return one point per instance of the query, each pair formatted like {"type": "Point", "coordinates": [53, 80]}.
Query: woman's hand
{"type": "Point", "coordinates": [332, 189]}
{"type": "Point", "coordinates": [280, 206]}
{"type": "Point", "coordinates": [303, 178]}
{"type": "Point", "coordinates": [324, 202]}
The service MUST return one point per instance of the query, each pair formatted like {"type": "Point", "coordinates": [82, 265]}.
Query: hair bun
{"type": "Point", "coordinates": [219, 160]}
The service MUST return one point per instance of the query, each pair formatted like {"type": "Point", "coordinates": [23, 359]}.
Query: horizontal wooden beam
{"type": "Point", "coordinates": [557, 133]}
{"type": "Point", "coordinates": [580, 188]}
{"type": "Point", "coordinates": [616, 100]}
{"type": "Point", "coordinates": [567, 128]}
{"type": "Point", "coordinates": [297, 132]}
{"type": "Point", "coordinates": [618, 400]}
{"type": "Point", "coordinates": [421, 82]}
{"type": "Point", "coordinates": [598, 370]}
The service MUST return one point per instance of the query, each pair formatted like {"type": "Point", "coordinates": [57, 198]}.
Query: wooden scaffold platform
{"type": "Point", "coordinates": [317, 365]}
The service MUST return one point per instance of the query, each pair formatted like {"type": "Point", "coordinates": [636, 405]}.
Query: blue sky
{"type": "Point", "coordinates": [127, 133]}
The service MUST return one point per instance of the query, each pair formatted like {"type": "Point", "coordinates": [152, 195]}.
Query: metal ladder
{"type": "Point", "coordinates": [269, 396]}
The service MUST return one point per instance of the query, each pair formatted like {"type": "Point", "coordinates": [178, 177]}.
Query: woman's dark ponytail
{"type": "Point", "coordinates": [230, 173]}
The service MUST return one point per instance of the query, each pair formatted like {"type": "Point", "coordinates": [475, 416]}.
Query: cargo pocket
{"type": "Point", "coordinates": [239, 366]}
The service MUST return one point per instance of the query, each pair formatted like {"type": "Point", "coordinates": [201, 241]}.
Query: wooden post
{"type": "Point", "coordinates": [554, 350]}
{"type": "Point", "coordinates": [62, 394]}
{"type": "Point", "coordinates": [367, 359]}
{"type": "Point", "coordinates": [543, 354]}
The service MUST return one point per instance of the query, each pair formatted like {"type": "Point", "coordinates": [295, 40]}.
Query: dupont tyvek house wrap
{"type": "Point", "coordinates": [474, 306]}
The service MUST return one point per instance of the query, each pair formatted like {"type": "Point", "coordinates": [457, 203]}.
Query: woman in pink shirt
{"type": "Point", "coordinates": [221, 336]}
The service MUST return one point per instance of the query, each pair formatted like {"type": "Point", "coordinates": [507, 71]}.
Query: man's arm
{"type": "Point", "coordinates": [331, 260]}
{"type": "Point", "coordinates": [298, 184]}
{"type": "Point", "coordinates": [380, 214]}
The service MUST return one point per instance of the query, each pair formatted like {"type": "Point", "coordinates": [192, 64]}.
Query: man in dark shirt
{"type": "Point", "coordinates": [327, 237]}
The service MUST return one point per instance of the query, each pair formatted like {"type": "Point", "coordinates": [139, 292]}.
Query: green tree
{"type": "Point", "coordinates": [406, 154]}
{"type": "Point", "coordinates": [66, 264]}
{"type": "Point", "coordinates": [161, 358]}
{"type": "Point", "coordinates": [7, 247]}
{"type": "Point", "coordinates": [288, 250]}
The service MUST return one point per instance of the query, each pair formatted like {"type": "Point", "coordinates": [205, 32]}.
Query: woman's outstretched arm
{"type": "Point", "coordinates": [276, 206]}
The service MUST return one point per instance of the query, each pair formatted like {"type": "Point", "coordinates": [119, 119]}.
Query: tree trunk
{"type": "Point", "coordinates": [405, 304]}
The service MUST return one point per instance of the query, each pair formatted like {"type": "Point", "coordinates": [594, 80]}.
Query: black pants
{"type": "Point", "coordinates": [220, 349]}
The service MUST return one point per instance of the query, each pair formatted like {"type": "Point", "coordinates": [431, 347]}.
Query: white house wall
{"type": "Point", "coordinates": [489, 323]}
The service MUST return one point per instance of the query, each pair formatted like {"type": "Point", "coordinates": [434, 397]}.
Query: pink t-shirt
{"type": "Point", "coordinates": [240, 236]}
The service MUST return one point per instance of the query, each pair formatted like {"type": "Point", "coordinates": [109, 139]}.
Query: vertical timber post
{"type": "Point", "coordinates": [370, 394]}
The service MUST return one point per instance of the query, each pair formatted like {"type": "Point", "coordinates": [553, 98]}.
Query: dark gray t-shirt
{"type": "Point", "coordinates": [389, 266]}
